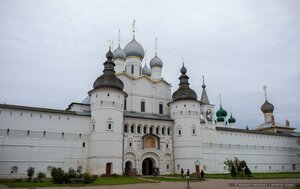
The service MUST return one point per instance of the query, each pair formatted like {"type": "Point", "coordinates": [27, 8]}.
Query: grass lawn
{"type": "Point", "coordinates": [13, 183]}
{"type": "Point", "coordinates": [177, 178]}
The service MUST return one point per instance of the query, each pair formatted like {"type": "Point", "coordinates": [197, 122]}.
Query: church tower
{"type": "Point", "coordinates": [107, 98]}
{"type": "Point", "coordinates": [207, 109]}
{"type": "Point", "coordinates": [267, 108]}
{"type": "Point", "coordinates": [119, 56]}
{"type": "Point", "coordinates": [134, 56]}
{"type": "Point", "coordinates": [156, 65]}
{"type": "Point", "coordinates": [185, 110]}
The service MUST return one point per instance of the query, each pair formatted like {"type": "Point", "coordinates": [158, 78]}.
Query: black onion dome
{"type": "Point", "coordinates": [184, 92]}
{"type": "Point", "coordinates": [267, 107]}
{"type": "Point", "coordinates": [108, 78]}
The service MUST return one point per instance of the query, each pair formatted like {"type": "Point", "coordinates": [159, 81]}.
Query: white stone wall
{"type": "Point", "coordinates": [262, 152]}
{"type": "Point", "coordinates": [152, 93]}
{"type": "Point", "coordinates": [41, 139]}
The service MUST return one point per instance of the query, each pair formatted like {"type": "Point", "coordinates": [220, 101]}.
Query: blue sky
{"type": "Point", "coordinates": [52, 51]}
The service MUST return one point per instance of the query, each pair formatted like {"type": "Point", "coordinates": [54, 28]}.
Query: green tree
{"type": "Point", "coordinates": [30, 173]}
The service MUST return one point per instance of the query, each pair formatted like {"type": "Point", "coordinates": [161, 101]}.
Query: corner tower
{"type": "Point", "coordinates": [185, 110]}
{"type": "Point", "coordinates": [107, 98]}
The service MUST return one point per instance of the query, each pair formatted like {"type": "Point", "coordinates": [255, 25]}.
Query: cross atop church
{"type": "Point", "coordinates": [265, 90]}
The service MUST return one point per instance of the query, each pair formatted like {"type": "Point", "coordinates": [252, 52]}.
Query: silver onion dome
{"type": "Point", "coordinates": [155, 61]}
{"type": "Point", "coordinates": [133, 48]}
{"type": "Point", "coordinates": [119, 53]}
{"type": "Point", "coordinates": [146, 70]}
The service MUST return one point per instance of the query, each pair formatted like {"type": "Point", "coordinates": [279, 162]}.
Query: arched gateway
{"type": "Point", "coordinates": [148, 166]}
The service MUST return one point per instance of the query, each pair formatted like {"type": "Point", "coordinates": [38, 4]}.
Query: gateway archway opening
{"type": "Point", "coordinates": [148, 166]}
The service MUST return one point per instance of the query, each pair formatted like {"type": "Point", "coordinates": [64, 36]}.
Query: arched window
{"type": "Point", "coordinates": [151, 130]}
{"type": "Point", "coordinates": [145, 129]}
{"type": "Point", "coordinates": [109, 123]}
{"type": "Point", "coordinates": [132, 69]}
{"type": "Point", "coordinates": [125, 128]}
{"type": "Point", "coordinates": [163, 131]}
{"type": "Point", "coordinates": [132, 129]}
{"type": "Point", "coordinates": [14, 169]}
{"type": "Point", "coordinates": [138, 129]}
{"type": "Point", "coordinates": [168, 131]}
{"type": "Point", "coordinates": [157, 130]}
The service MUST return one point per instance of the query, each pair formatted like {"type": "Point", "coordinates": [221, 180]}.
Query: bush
{"type": "Point", "coordinates": [247, 171]}
{"type": "Point", "coordinates": [30, 173]}
{"type": "Point", "coordinates": [72, 173]}
{"type": "Point", "coordinates": [237, 167]}
{"type": "Point", "coordinates": [233, 171]}
{"type": "Point", "coordinates": [59, 176]}
{"type": "Point", "coordinates": [40, 176]}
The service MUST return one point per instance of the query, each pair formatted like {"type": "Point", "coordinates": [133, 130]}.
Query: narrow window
{"type": "Point", "coordinates": [132, 69]}
{"type": "Point", "coordinates": [167, 145]}
{"type": "Point", "coordinates": [62, 135]}
{"type": "Point", "coordinates": [132, 129]}
{"type": "Point", "coordinates": [179, 132]}
{"type": "Point", "coordinates": [168, 167]}
{"type": "Point", "coordinates": [7, 132]}
{"type": "Point", "coordinates": [151, 130]}
{"type": "Point", "coordinates": [139, 129]}
{"type": "Point", "coordinates": [28, 132]}
{"type": "Point", "coordinates": [143, 106]}
{"type": "Point", "coordinates": [79, 135]}
{"type": "Point", "coordinates": [107, 94]}
{"type": "Point", "coordinates": [125, 103]}
{"type": "Point", "coordinates": [163, 131]}
{"type": "Point", "coordinates": [83, 144]}
{"type": "Point", "coordinates": [109, 126]}
{"type": "Point", "coordinates": [145, 130]}
{"type": "Point", "coordinates": [168, 131]}
{"type": "Point", "coordinates": [194, 131]}
{"type": "Point", "coordinates": [125, 128]}
{"type": "Point", "coordinates": [161, 108]}
{"type": "Point", "coordinates": [130, 144]}
{"type": "Point", "coordinates": [157, 130]}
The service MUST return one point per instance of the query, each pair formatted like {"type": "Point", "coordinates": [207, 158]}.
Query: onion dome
{"type": "Point", "coordinates": [184, 92]}
{"type": "Point", "coordinates": [108, 78]}
{"type": "Point", "coordinates": [221, 112]}
{"type": "Point", "coordinates": [155, 61]}
{"type": "Point", "coordinates": [146, 70]}
{"type": "Point", "coordinates": [231, 119]}
{"type": "Point", "coordinates": [267, 107]}
{"type": "Point", "coordinates": [133, 48]}
{"type": "Point", "coordinates": [119, 53]}
{"type": "Point", "coordinates": [220, 119]}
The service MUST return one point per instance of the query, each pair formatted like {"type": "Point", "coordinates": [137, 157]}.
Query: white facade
{"type": "Point", "coordinates": [115, 132]}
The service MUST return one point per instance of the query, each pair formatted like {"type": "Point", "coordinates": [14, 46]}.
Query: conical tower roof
{"type": "Point", "coordinates": [204, 97]}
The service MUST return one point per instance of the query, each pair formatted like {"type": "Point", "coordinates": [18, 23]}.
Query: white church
{"type": "Point", "coordinates": [132, 123]}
